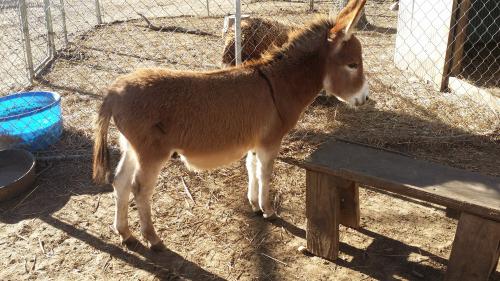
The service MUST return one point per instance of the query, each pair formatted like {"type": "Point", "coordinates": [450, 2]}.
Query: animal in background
{"type": "Point", "coordinates": [258, 35]}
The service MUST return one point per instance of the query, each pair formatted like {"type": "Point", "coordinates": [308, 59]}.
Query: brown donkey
{"type": "Point", "coordinates": [214, 118]}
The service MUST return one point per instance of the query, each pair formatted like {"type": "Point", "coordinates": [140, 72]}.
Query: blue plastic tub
{"type": "Point", "coordinates": [30, 120]}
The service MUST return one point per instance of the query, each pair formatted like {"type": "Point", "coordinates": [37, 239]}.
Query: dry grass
{"type": "Point", "coordinates": [218, 237]}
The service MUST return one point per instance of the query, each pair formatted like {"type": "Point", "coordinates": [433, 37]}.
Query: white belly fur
{"type": "Point", "coordinates": [213, 160]}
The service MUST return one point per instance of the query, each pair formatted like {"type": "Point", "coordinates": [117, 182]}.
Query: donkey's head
{"type": "Point", "coordinates": [344, 77]}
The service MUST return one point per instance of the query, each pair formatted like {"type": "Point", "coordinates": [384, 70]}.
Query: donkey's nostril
{"type": "Point", "coordinates": [366, 98]}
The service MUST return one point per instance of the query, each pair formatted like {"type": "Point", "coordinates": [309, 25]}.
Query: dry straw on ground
{"type": "Point", "coordinates": [215, 236]}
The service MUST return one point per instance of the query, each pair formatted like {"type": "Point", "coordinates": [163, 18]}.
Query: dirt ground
{"type": "Point", "coordinates": [61, 230]}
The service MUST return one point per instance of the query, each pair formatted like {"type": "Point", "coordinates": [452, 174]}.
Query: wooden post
{"type": "Point", "coordinates": [322, 208]}
{"type": "Point", "coordinates": [476, 249]}
{"type": "Point", "coordinates": [452, 213]}
{"type": "Point", "coordinates": [26, 40]}
{"type": "Point", "coordinates": [460, 32]}
{"type": "Point", "coordinates": [349, 202]}
{"type": "Point", "coordinates": [63, 21]}
{"type": "Point", "coordinates": [50, 29]}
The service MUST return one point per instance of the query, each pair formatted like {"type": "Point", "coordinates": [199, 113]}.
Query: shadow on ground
{"type": "Point", "coordinates": [56, 182]}
{"type": "Point", "coordinates": [166, 265]}
{"type": "Point", "coordinates": [60, 179]}
{"type": "Point", "coordinates": [379, 264]}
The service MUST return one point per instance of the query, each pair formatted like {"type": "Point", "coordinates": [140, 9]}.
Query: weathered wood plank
{"type": "Point", "coordinates": [475, 249]}
{"type": "Point", "coordinates": [450, 187]}
{"type": "Point", "coordinates": [322, 207]}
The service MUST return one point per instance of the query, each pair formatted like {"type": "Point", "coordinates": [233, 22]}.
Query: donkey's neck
{"type": "Point", "coordinates": [297, 77]}
{"type": "Point", "coordinates": [301, 78]}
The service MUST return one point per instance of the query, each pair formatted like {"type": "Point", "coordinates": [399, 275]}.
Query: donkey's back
{"type": "Point", "coordinates": [194, 113]}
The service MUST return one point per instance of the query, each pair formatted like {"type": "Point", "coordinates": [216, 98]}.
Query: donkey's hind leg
{"type": "Point", "coordinates": [122, 185]}
{"type": "Point", "coordinates": [143, 187]}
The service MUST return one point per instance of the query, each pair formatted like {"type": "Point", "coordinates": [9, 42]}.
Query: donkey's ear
{"type": "Point", "coordinates": [348, 18]}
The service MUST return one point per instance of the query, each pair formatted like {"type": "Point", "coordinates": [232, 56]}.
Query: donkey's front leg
{"type": "Point", "coordinates": [253, 187]}
{"type": "Point", "coordinates": [265, 162]}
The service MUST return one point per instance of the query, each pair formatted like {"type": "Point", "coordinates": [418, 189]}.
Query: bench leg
{"type": "Point", "coordinates": [452, 213]}
{"type": "Point", "coordinates": [322, 208]}
{"type": "Point", "coordinates": [476, 249]}
{"type": "Point", "coordinates": [349, 202]}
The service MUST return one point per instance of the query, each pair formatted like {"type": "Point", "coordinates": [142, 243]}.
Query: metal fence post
{"type": "Point", "coordinates": [98, 11]}
{"type": "Point", "coordinates": [237, 31]}
{"type": "Point", "coordinates": [311, 5]}
{"type": "Point", "coordinates": [63, 18]}
{"type": "Point", "coordinates": [50, 30]}
{"type": "Point", "coordinates": [208, 8]}
{"type": "Point", "coordinates": [26, 40]}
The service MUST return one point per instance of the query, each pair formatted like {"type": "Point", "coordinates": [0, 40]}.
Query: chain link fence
{"type": "Point", "coordinates": [433, 66]}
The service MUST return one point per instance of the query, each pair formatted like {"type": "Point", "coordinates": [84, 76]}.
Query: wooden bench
{"type": "Point", "coordinates": [336, 169]}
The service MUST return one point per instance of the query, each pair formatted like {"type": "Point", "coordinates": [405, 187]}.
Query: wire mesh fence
{"type": "Point", "coordinates": [433, 66]}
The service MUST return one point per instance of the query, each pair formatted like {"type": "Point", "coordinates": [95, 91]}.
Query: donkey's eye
{"type": "Point", "coordinates": [353, 65]}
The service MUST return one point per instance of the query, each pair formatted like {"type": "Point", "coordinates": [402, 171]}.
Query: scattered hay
{"type": "Point", "coordinates": [219, 236]}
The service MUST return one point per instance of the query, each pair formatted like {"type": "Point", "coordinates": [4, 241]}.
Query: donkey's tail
{"type": "Point", "coordinates": [101, 166]}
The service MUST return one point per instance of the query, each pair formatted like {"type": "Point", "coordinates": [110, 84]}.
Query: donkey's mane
{"type": "Point", "coordinates": [301, 41]}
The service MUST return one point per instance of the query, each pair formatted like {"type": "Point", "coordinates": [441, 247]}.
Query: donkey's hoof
{"type": "Point", "coordinates": [255, 208]}
{"type": "Point", "coordinates": [131, 242]}
{"type": "Point", "coordinates": [158, 247]}
{"type": "Point", "coordinates": [257, 212]}
{"type": "Point", "coordinates": [269, 215]}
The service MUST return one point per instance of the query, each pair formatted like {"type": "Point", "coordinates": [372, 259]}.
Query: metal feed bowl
{"type": "Point", "coordinates": [17, 172]}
